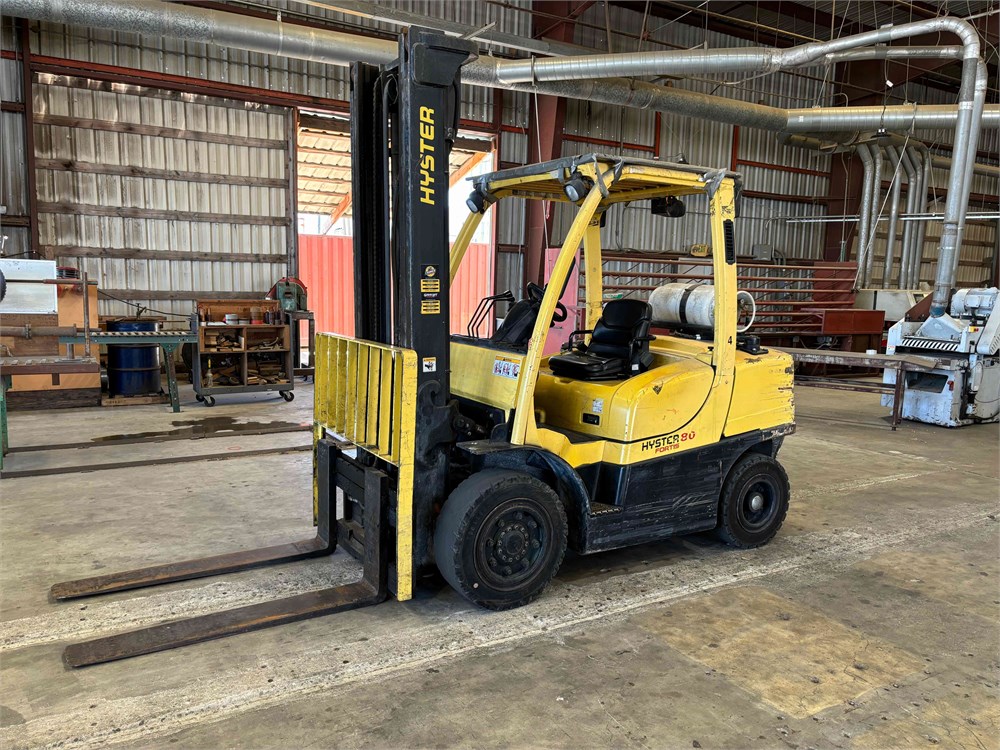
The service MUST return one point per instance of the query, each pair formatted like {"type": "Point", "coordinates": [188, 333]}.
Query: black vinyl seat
{"type": "Point", "coordinates": [517, 324]}
{"type": "Point", "coordinates": [619, 345]}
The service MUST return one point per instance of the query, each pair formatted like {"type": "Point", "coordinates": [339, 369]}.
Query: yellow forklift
{"type": "Point", "coordinates": [480, 458]}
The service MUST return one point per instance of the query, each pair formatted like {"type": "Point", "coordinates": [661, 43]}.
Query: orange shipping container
{"type": "Point", "coordinates": [326, 267]}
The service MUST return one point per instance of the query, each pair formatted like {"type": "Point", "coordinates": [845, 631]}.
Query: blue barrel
{"type": "Point", "coordinates": [133, 369]}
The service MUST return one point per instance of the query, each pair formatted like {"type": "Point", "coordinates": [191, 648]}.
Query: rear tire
{"type": "Point", "coordinates": [754, 501]}
{"type": "Point", "coordinates": [500, 538]}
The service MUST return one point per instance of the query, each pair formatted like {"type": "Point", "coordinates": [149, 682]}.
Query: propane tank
{"type": "Point", "coordinates": [684, 304]}
{"type": "Point", "coordinates": [693, 305]}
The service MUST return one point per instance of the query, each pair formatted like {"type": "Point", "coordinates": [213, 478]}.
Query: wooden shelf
{"type": "Point", "coordinates": [248, 360]}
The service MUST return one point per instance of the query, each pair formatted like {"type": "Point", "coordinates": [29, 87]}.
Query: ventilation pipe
{"type": "Point", "coordinates": [987, 170]}
{"type": "Point", "coordinates": [917, 190]}
{"type": "Point", "coordinates": [905, 158]}
{"type": "Point", "coordinates": [873, 212]}
{"type": "Point", "coordinates": [735, 59]}
{"type": "Point", "coordinates": [920, 157]}
{"type": "Point", "coordinates": [203, 25]}
{"type": "Point", "coordinates": [155, 18]}
{"type": "Point", "coordinates": [895, 185]}
{"type": "Point", "coordinates": [864, 215]}
{"type": "Point", "coordinates": [918, 259]}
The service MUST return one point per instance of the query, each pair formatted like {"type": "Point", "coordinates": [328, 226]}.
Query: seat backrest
{"type": "Point", "coordinates": [622, 330]}
{"type": "Point", "coordinates": [517, 324]}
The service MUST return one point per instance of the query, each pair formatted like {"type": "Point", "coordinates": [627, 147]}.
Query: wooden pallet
{"type": "Point", "coordinates": [55, 399]}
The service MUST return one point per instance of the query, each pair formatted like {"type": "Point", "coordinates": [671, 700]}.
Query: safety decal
{"type": "Point", "coordinates": [506, 368]}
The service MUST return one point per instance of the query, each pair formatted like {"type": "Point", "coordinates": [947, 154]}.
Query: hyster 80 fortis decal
{"type": "Point", "coordinates": [667, 442]}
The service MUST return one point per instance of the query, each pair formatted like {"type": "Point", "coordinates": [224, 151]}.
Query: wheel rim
{"type": "Point", "coordinates": [512, 544]}
{"type": "Point", "coordinates": [758, 504]}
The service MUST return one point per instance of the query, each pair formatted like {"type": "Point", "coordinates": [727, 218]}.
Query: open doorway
{"type": "Point", "coordinates": [325, 223]}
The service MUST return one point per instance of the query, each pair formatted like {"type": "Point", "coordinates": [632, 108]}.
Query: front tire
{"type": "Point", "coordinates": [500, 538]}
{"type": "Point", "coordinates": [754, 501]}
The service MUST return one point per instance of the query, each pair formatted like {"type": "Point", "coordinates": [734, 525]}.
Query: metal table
{"type": "Point", "coordinates": [11, 366]}
{"type": "Point", "coordinates": [901, 363]}
{"type": "Point", "coordinates": [169, 341]}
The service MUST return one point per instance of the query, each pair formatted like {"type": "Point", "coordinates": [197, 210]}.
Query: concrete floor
{"type": "Point", "coordinates": [872, 620]}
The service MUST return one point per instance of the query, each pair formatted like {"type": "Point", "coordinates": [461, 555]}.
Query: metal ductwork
{"type": "Point", "coordinates": [895, 185]}
{"type": "Point", "coordinates": [156, 18]}
{"type": "Point", "coordinates": [595, 78]}
{"type": "Point", "coordinates": [734, 59]}
{"type": "Point", "coordinates": [906, 159]}
{"type": "Point", "coordinates": [925, 183]}
{"type": "Point", "coordinates": [873, 211]}
{"type": "Point", "coordinates": [864, 213]}
{"type": "Point", "coordinates": [945, 162]}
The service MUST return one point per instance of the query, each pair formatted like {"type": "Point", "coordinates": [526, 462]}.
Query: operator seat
{"type": "Point", "coordinates": [619, 345]}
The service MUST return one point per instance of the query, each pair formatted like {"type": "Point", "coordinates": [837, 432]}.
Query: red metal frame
{"type": "Point", "coordinates": [606, 142]}
{"type": "Point", "coordinates": [814, 285]}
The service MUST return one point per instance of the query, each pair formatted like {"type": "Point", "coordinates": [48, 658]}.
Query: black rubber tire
{"type": "Point", "coordinates": [287, 395]}
{"type": "Point", "coordinates": [3, 286]}
{"type": "Point", "coordinates": [199, 398]}
{"type": "Point", "coordinates": [741, 526]}
{"type": "Point", "coordinates": [209, 400]}
{"type": "Point", "coordinates": [512, 501]}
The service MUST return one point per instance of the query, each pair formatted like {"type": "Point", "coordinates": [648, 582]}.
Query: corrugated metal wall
{"type": "Point", "coordinates": [177, 196]}
{"type": "Point", "coordinates": [13, 170]}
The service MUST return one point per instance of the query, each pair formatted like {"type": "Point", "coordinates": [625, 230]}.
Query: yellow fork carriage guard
{"type": "Point", "coordinates": [481, 458]}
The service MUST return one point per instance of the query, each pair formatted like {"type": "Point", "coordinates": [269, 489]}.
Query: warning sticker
{"type": "Point", "coordinates": [506, 368]}
{"type": "Point", "coordinates": [430, 292]}
{"type": "Point", "coordinates": [598, 406]}
{"type": "Point", "coordinates": [430, 364]}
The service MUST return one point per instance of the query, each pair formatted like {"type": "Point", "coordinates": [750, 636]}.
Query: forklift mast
{"type": "Point", "coordinates": [403, 125]}
{"type": "Point", "coordinates": [404, 122]}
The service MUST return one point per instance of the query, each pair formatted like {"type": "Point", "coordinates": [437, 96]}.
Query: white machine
{"type": "Point", "coordinates": [966, 388]}
{"type": "Point", "coordinates": [895, 303]}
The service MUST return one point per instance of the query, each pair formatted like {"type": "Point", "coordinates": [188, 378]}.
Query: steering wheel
{"type": "Point", "coordinates": [535, 294]}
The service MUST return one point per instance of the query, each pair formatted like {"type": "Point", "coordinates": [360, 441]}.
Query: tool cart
{"type": "Point", "coordinates": [244, 346]}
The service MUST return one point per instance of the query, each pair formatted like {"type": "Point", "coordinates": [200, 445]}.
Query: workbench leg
{"type": "Point", "coordinates": [897, 398]}
{"type": "Point", "coordinates": [312, 346]}
{"type": "Point", "coordinates": [5, 382]}
{"type": "Point", "coordinates": [175, 400]}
